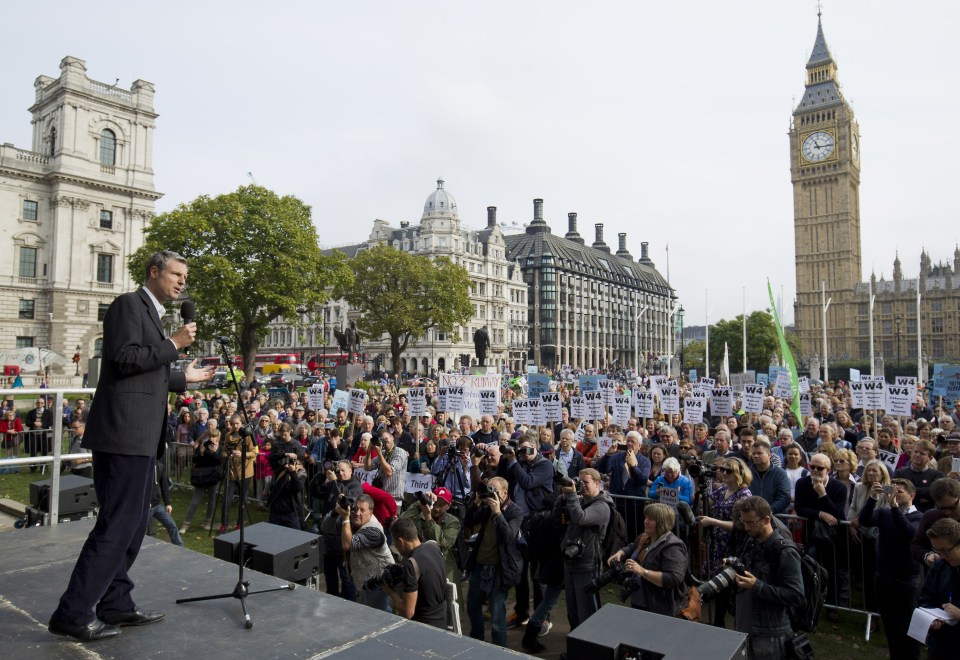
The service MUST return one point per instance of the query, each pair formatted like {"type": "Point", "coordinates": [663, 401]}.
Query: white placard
{"type": "Point", "coordinates": [552, 407]}
{"type": "Point", "coordinates": [536, 412]}
{"type": "Point", "coordinates": [594, 402]}
{"type": "Point", "coordinates": [358, 401]}
{"type": "Point", "coordinates": [874, 392]}
{"type": "Point", "coordinates": [341, 399]}
{"type": "Point", "coordinates": [890, 459]}
{"type": "Point", "coordinates": [581, 433]}
{"type": "Point", "coordinates": [898, 400]}
{"type": "Point", "coordinates": [709, 383]}
{"type": "Point", "coordinates": [315, 397]}
{"type": "Point", "coordinates": [806, 404]}
{"type": "Point", "coordinates": [856, 394]}
{"type": "Point", "coordinates": [488, 402]}
{"type": "Point", "coordinates": [643, 403]}
{"type": "Point", "coordinates": [471, 384]}
{"type": "Point", "coordinates": [656, 384]}
{"type": "Point", "coordinates": [607, 389]}
{"type": "Point", "coordinates": [803, 383]}
{"type": "Point", "coordinates": [753, 398]}
{"type": "Point", "coordinates": [693, 410]}
{"type": "Point", "coordinates": [670, 398]}
{"type": "Point", "coordinates": [854, 375]}
{"type": "Point", "coordinates": [621, 410]}
{"type": "Point", "coordinates": [415, 482]}
{"type": "Point", "coordinates": [363, 476]}
{"type": "Point", "coordinates": [578, 407]}
{"type": "Point", "coordinates": [669, 496]}
{"type": "Point", "coordinates": [443, 401]}
{"type": "Point", "coordinates": [521, 413]}
{"type": "Point", "coordinates": [603, 446]}
{"type": "Point", "coordinates": [910, 382]}
{"type": "Point", "coordinates": [738, 381]}
{"type": "Point", "coordinates": [455, 398]}
{"type": "Point", "coordinates": [721, 401]}
{"type": "Point", "coordinates": [955, 465]}
{"type": "Point", "coordinates": [782, 388]}
{"type": "Point", "coordinates": [700, 394]}
{"type": "Point", "coordinates": [417, 400]}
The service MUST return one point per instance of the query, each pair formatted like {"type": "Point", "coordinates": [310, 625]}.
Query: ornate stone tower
{"type": "Point", "coordinates": [825, 172]}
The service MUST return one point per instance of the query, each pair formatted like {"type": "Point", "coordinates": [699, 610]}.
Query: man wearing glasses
{"type": "Point", "coordinates": [942, 589]}
{"type": "Point", "coordinates": [946, 498]}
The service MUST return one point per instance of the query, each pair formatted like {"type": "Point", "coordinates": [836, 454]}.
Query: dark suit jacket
{"type": "Point", "coordinates": [129, 409]}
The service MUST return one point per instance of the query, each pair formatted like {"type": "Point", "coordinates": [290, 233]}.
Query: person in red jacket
{"type": "Point", "coordinates": [384, 507]}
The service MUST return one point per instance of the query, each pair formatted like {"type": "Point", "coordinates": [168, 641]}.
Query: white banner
{"type": "Point", "coordinates": [621, 410]}
{"type": "Point", "coordinates": [552, 407]}
{"type": "Point", "coordinates": [753, 398]}
{"type": "Point", "coordinates": [315, 398]}
{"type": "Point", "coordinates": [471, 384]}
{"type": "Point", "coordinates": [363, 476]}
{"type": "Point", "coordinates": [488, 402]}
{"type": "Point", "coordinates": [358, 401]}
{"type": "Point", "coordinates": [415, 482]}
{"type": "Point", "coordinates": [578, 407]}
{"type": "Point", "coordinates": [898, 400]}
{"type": "Point", "coordinates": [693, 410]}
{"type": "Point", "coordinates": [642, 403]}
{"type": "Point", "coordinates": [721, 402]}
{"type": "Point", "coordinates": [417, 400]}
{"type": "Point", "coordinates": [594, 402]}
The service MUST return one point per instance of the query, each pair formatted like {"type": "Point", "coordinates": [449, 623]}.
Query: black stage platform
{"type": "Point", "coordinates": [35, 565]}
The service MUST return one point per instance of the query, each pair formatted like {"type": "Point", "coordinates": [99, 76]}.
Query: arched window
{"type": "Point", "coordinates": [108, 147]}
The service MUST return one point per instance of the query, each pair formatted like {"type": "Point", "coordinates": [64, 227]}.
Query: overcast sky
{"type": "Point", "coordinates": [664, 120]}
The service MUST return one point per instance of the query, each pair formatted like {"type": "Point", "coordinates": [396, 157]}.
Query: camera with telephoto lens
{"type": "Point", "coordinates": [567, 482]}
{"type": "Point", "coordinates": [697, 468]}
{"type": "Point", "coordinates": [391, 576]}
{"type": "Point", "coordinates": [485, 492]}
{"type": "Point", "coordinates": [329, 466]}
{"type": "Point", "coordinates": [286, 461]}
{"type": "Point", "coordinates": [722, 580]}
{"type": "Point", "coordinates": [618, 574]}
{"type": "Point", "coordinates": [346, 503]}
{"type": "Point", "coordinates": [478, 451]}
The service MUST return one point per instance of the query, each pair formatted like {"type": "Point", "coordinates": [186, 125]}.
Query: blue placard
{"type": "Point", "coordinates": [589, 383]}
{"type": "Point", "coordinates": [693, 375]}
{"type": "Point", "coordinates": [763, 379]}
{"type": "Point", "coordinates": [537, 384]}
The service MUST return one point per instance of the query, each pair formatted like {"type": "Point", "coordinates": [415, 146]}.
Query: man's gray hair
{"type": "Point", "coordinates": [160, 261]}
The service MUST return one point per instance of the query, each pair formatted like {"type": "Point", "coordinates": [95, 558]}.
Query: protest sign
{"type": "Point", "coordinates": [594, 402]}
{"type": "Point", "coordinates": [341, 400]}
{"type": "Point", "coordinates": [607, 389]}
{"type": "Point", "coordinates": [669, 496]}
{"type": "Point", "coordinates": [890, 459]}
{"type": "Point", "coordinates": [537, 384]}
{"type": "Point", "coordinates": [721, 401]}
{"type": "Point", "coordinates": [603, 446]}
{"type": "Point", "coordinates": [854, 375]}
{"type": "Point", "coordinates": [670, 398]}
{"type": "Point", "coordinates": [763, 379]}
{"type": "Point", "coordinates": [621, 410]}
{"type": "Point", "coordinates": [692, 375]}
{"type": "Point", "coordinates": [581, 430]}
{"type": "Point", "coordinates": [803, 383]}
{"type": "Point", "coordinates": [806, 405]}
{"type": "Point", "coordinates": [552, 407]}
{"type": "Point", "coordinates": [874, 392]}
{"type": "Point", "coordinates": [455, 398]}
{"type": "Point", "coordinates": [753, 397]}
{"type": "Point", "coordinates": [910, 382]}
{"type": "Point", "coordinates": [363, 476]}
{"type": "Point", "coordinates": [358, 401]}
{"type": "Point", "coordinates": [521, 413]}
{"type": "Point", "coordinates": [898, 400]}
{"type": "Point", "coordinates": [578, 407]}
{"type": "Point", "coordinates": [315, 397]}
{"type": "Point", "coordinates": [535, 406]}
{"type": "Point", "coordinates": [782, 387]}
{"type": "Point", "coordinates": [488, 402]}
{"type": "Point", "coordinates": [443, 399]}
{"type": "Point", "coordinates": [693, 410]}
{"type": "Point", "coordinates": [737, 381]}
{"type": "Point", "coordinates": [415, 482]}
{"type": "Point", "coordinates": [471, 384]}
{"type": "Point", "coordinates": [856, 394]}
{"type": "Point", "coordinates": [417, 400]}
{"type": "Point", "coordinates": [642, 403]}
{"type": "Point", "coordinates": [588, 383]}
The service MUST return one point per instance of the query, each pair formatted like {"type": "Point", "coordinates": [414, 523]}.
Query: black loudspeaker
{"type": "Point", "coordinates": [76, 494]}
{"type": "Point", "coordinates": [623, 633]}
{"type": "Point", "coordinates": [288, 554]}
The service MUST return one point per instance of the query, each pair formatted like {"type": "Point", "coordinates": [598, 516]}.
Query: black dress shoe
{"type": "Point", "coordinates": [133, 618]}
{"type": "Point", "coordinates": [94, 630]}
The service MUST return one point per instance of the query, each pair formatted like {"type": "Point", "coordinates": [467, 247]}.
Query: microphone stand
{"type": "Point", "coordinates": [242, 588]}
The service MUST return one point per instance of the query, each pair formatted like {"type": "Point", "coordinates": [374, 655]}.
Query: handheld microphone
{"type": "Point", "coordinates": [188, 311]}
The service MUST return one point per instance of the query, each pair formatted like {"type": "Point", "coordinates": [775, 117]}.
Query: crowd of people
{"type": "Point", "coordinates": [526, 515]}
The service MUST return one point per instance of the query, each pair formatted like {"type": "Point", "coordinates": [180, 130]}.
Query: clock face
{"type": "Point", "coordinates": [818, 146]}
{"type": "Point", "coordinates": [855, 146]}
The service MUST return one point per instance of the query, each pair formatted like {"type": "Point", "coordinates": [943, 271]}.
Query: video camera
{"type": "Point", "coordinates": [697, 468]}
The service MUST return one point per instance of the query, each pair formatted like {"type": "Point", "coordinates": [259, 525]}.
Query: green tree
{"type": "Point", "coordinates": [403, 296]}
{"type": "Point", "coordinates": [762, 342]}
{"type": "Point", "coordinates": [252, 257]}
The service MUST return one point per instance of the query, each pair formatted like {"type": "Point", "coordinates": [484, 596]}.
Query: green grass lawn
{"type": "Point", "coordinates": [840, 641]}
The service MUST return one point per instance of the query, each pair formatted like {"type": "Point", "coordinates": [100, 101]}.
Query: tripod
{"type": "Point", "coordinates": [242, 588]}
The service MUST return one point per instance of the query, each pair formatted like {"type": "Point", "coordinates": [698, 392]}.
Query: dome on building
{"type": "Point", "coordinates": [440, 202]}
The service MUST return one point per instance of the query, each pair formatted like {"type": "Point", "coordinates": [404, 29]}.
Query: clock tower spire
{"type": "Point", "coordinates": [825, 172]}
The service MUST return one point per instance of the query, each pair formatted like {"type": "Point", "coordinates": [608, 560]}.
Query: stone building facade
{"type": "Point", "coordinates": [73, 207]}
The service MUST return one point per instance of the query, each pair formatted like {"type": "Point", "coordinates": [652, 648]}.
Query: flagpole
{"type": "Point", "coordinates": [744, 329]}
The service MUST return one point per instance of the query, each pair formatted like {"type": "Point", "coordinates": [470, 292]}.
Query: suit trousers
{"type": "Point", "coordinates": [99, 584]}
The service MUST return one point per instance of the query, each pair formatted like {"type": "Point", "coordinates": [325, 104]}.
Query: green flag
{"type": "Point", "coordinates": [787, 357]}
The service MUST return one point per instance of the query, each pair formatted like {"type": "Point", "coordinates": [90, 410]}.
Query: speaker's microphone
{"type": "Point", "coordinates": [188, 312]}
{"type": "Point", "coordinates": [223, 340]}
{"type": "Point", "coordinates": [686, 513]}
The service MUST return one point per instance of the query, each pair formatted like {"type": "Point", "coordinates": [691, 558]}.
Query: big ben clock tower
{"type": "Point", "coordinates": [825, 172]}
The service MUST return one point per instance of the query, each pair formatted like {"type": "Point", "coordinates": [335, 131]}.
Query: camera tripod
{"type": "Point", "coordinates": [242, 589]}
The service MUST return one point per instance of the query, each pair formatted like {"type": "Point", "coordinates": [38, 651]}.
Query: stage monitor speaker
{"type": "Point", "coordinates": [76, 494]}
{"type": "Point", "coordinates": [288, 554]}
{"type": "Point", "coordinates": [623, 633]}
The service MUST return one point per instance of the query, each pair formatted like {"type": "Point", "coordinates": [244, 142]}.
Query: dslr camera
{"type": "Point", "coordinates": [346, 503]}
{"type": "Point", "coordinates": [423, 498]}
{"type": "Point", "coordinates": [722, 580]}
{"type": "Point", "coordinates": [485, 492]}
{"type": "Point", "coordinates": [391, 576]}
{"type": "Point", "coordinates": [618, 574]}
{"type": "Point", "coordinates": [567, 482]}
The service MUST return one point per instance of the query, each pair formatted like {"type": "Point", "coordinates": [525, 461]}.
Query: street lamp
{"type": "Point", "coordinates": [898, 320]}
{"type": "Point", "coordinates": [680, 319]}
{"type": "Point", "coordinates": [636, 339]}
{"type": "Point", "coordinates": [76, 357]}
{"type": "Point", "coordinates": [301, 310]}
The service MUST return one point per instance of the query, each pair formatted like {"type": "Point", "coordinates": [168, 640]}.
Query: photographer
{"type": "Point", "coordinates": [484, 460]}
{"type": "Point", "coordinates": [239, 472]}
{"type": "Point", "coordinates": [205, 475]}
{"type": "Point", "coordinates": [421, 594]}
{"type": "Point", "coordinates": [338, 482]}
{"type": "Point", "coordinates": [454, 460]}
{"type": "Point", "coordinates": [581, 543]}
{"type": "Point", "coordinates": [433, 523]}
{"type": "Point", "coordinates": [495, 562]}
{"type": "Point", "coordinates": [658, 562]}
{"type": "Point", "coordinates": [390, 464]}
{"type": "Point", "coordinates": [286, 493]}
{"type": "Point", "coordinates": [363, 540]}
{"type": "Point", "coordinates": [771, 583]}
{"type": "Point", "coordinates": [285, 449]}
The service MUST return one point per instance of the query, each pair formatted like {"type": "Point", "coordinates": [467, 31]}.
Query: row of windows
{"type": "Point", "coordinates": [30, 214]}
{"type": "Point", "coordinates": [28, 265]}
{"type": "Point", "coordinates": [27, 310]}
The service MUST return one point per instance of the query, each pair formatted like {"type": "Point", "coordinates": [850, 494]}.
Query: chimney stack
{"type": "Point", "coordinates": [538, 225]}
{"type": "Point", "coordinates": [538, 210]}
{"type": "Point", "coordinates": [491, 216]}
{"type": "Point", "coordinates": [598, 243]}
{"type": "Point", "coordinates": [572, 234]}
{"type": "Point", "coordinates": [622, 250]}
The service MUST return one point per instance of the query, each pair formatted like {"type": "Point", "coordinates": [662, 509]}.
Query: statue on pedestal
{"type": "Point", "coordinates": [481, 342]}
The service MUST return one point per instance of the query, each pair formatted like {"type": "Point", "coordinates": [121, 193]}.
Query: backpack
{"type": "Point", "coordinates": [615, 535]}
{"type": "Point", "coordinates": [804, 617]}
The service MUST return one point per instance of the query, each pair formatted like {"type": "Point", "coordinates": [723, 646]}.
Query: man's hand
{"type": "Point", "coordinates": [819, 487]}
{"type": "Point", "coordinates": [169, 508]}
{"type": "Point", "coordinates": [746, 581]}
{"type": "Point", "coordinates": [617, 556]}
{"type": "Point", "coordinates": [952, 610]}
{"type": "Point", "coordinates": [196, 375]}
{"type": "Point", "coordinates": [631, 459]}
{"type": "Point", "coordinates": [343, 513]}
{"type": "Point", "coordinates": [493, 503]}
{"type": "Point", "coordinates": [568, 490]}
{"type": "Point", "coordinates": [185, 336]}
{"type": "Point", "coordinates": [828, 518]}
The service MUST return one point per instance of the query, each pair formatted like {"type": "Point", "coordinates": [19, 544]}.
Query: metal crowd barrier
{"type": "Point", "coordinates": [850, 563]}
{"type": "Point", "coordinates": [58, 437]}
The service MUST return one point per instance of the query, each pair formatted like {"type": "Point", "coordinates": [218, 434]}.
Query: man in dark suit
{"type": "Point", "coordinates": [126, 433]}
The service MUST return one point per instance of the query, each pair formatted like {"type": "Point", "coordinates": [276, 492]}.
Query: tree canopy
{"type": "Point", "coordinates": [762, 344]}
{"type": "Point", "coordinates": [252, 256]}
{"type": "Point", "coordinates": [403, 295]}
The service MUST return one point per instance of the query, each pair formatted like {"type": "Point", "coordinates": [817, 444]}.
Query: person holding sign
{"type": "Point", "coordinates": [941, 589]}
{"type": "Point", "coordinates": [670, 478]}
